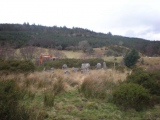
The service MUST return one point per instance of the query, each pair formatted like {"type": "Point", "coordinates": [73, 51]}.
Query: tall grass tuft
{"type": "Point", "coordinates": [48, 98]}
{"type": "Point", "coordinates": [50, 94]}
{"type": "Point", "coordinates": [10, 95]}
{"type": "Point", "coordinates": [97, 88]}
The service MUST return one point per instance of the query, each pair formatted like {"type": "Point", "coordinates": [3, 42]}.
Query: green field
{"type": "Point", "coordinates": [70, 103]}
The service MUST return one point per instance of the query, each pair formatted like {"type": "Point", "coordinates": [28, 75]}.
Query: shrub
{"type": "Point", "coordinates": [76, 63]}
{"type": "Point", "coordinates": [149, 80]}
{"type": "Point", "coordinates": [131, 96]}
{"type": "Point", "coordinates": [14, 66]}
{"type": "Point", "coordinates": [10, 94]}
{"type": "Point", "coordinates": [26, 66]}
{"type": "Point", "coordinates": [131, 58]}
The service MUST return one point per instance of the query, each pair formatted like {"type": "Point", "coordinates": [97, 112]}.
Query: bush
{"type": "Point", "coordinates": [10, 94]}
{"type": "Point", "coordinates": [72, 62]}
{"type": "Point", "coordinates": [131, 58]}
{"type": "Point", "coordinates": [75, 63]}
{"type": "Point", "coordinates": [149, 80]}
{"type": "Point", "coordinates": [14, 66]}
{"type": "Point", "coordinates": [131, 96]}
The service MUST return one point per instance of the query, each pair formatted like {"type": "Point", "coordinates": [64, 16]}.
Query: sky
{"type": "Point", "coordinates": [131, 18]}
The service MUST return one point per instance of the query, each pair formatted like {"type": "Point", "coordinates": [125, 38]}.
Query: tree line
{"type": "Point", "coordinates": [20, 35]}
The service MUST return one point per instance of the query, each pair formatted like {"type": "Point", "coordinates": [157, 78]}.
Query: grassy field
{"type": "Point", "coordinates": [79, 54]}
{"type": "Point", "coordinates": [71, 54]}
{"type": "Point", "coordinates": [57, 96]}
{"type": "Point", "coordinates": [70, 103]}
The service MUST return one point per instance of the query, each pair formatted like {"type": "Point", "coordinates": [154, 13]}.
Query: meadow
{"type": "Point", "coordinates": [69, 103]}
{"type": "Point", "coordinates": [54, 95]}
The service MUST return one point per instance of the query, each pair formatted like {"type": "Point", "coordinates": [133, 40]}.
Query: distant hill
{"type": "Point", "coordinates": [52, 37]}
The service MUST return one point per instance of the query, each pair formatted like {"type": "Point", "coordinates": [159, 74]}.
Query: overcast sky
{"type": "Point", "coordinates": [132, 18]}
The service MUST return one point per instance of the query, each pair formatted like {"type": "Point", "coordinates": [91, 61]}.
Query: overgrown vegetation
{"type": "Point", "coordinates": [86, 96]}
{"type": "Point", "coordinates": [16, 66]}
{"type": "Point", "coordinates": [10, 94]}
{"type": "Point", "coordinates": [131, 96]}
{"type": "Point", "coordinates": [50, 94]}
{"type": "Point", "coordinates": [100, 89]}
{"type": "Point", "coordinates": [74, 62]}
{"type": "Point", "coordinates": [148, 79]}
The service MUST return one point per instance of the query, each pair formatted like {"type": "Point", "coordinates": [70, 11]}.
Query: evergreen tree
{"type": "Point", "coordinates": [131, 58]}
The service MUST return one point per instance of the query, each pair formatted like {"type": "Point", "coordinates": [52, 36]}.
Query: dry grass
{"type": "Point", "coordinates": [99, 50]}
{"type": "Point", "coordinates": [149, 63]}
{"type": "Point", "coordinates": [71, 54]}
{"type": "Point", "coordinates": [152, 60]}
{"type": "Point", "coordinates": [40, 81]}
{"type": "Point", "coordinates": [112, 58]}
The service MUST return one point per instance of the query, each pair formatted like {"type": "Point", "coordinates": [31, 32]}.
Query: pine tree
{"type": "Point", "coordinates": [131, 58]}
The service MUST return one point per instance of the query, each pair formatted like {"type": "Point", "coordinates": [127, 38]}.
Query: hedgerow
{"type": "Point", "coordinates": [14, 66]}
{"type": "Point", "coordinates": [76, 62]}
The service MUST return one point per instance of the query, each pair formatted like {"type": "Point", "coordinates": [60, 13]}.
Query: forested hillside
{"type": "Point", "coordinates": [19, 35]}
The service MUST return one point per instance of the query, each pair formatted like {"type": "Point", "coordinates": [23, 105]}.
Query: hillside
{"type": "Point", "coordinates": [18, 35]}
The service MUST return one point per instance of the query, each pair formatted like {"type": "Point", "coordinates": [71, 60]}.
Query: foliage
{"type": "Point", "coordinates": [115, 50]}
{"type": "Point", "coordinates": [131, 96]}
{"type": "Point", "coordinates": [73, 62]}
{"type": "Point", "coordinates": [84, 46]}
{"type": "Point", "coordinates": [71, 105]}
{"type": "Point", "coordinates": [49, 99]}
{"type": "Point", "coordinates": [13, 66]}
{"type": "Point", "coordinates": [110, 52]}
{"type": "Point", "coordinates": [149, 80]}
{"type": "Point", "coordinates": [62, 38]}
{"type": "Point", "coordinates": [131, 58]}
{"type": "Point", "coordinates": [96, 88]}
{"type": "Point", "coordinates": [57, 88]}
{"type": "Point", "coordinates": [10, 94]}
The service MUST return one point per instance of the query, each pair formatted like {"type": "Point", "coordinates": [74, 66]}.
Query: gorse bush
{"type": "Point", "coordinates": [149, 80]}
{"type": "Point", "coordinates": [14, 66]}
{"type": "Point", "coordinates": [131, 96]}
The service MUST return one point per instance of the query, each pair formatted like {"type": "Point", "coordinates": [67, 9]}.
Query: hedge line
{"type": "Point", "coordinates": [13, 66]}
{"type": "Point", "coordinates": [76, 63]}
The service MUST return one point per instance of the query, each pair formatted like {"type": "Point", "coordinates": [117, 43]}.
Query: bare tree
{"type": "Point", "coordinates": [57, 53]}
{"type": "Point", "coordinates": [28, 53]}
{"type": "Point", "coordinates": [84, 45]}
